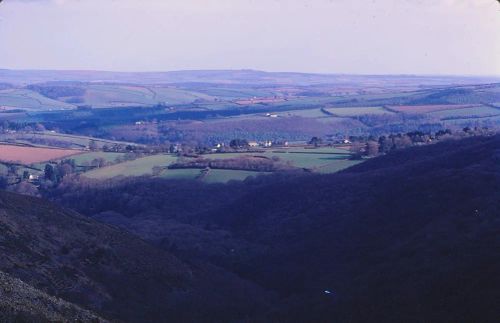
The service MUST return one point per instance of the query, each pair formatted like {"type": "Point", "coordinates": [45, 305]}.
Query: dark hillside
{"type": "Point", "coordinates": [412, 236]}
{"type": "Point", "coordinates": [409, 237]}
{"type": "Point", "coordinates": [20, 302]}
{"type": "Point", "coordinates": [110, 271]}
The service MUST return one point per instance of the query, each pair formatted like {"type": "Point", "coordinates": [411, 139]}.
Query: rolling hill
{"type": "Point", "coordinates": [411, 236]}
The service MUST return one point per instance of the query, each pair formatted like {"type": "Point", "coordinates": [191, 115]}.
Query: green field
{"type": "Point", "coordinates": [357, 111]}
{"type": "Point", "coordinates": [298, 157]}
{"type": "Point", "coordinates": [86, 158]}
{"type": "Point", "coordinates": [180, 173]}
{"type": "Point", "coordinates": [236, 93]}
{"type": "Point", "coordinates": [481, 111]}
{"type": "Point", "coordinates": [178, 96]}
{"type": "Point", "coordinates": [226, 175]}
{"type": "Point", "coordinates": [138, 167]}
{"type": "Point", "coordinates": [101, 95]}
{"type": "Point", "coordinates": [306, 113]}
{"type": "Point", "coordinates": [71, 140]}
{"type": "Point", "coordinates": [314, 150]}
{"type": "Point", "coordinates": [323, 160]}
{"type": "Point", "coordinates": [29, 100]}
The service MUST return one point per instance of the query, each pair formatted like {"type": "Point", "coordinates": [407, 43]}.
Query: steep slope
{"type": "Point", "coordinates": [20, 302]}
{"type": "Point", "coordinates": [110, 271]}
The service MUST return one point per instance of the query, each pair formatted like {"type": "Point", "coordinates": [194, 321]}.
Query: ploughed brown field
{"type": "Point", "coordinates": [30, 155]}
{"type": "Point", "coordinates": [430, 108]}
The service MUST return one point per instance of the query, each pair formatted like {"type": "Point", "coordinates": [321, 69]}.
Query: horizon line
{"type": "Point", "coordinates": [250, 70]}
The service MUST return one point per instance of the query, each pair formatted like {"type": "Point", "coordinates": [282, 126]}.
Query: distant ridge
{"type": "Point", "coordinates": [244, 76]}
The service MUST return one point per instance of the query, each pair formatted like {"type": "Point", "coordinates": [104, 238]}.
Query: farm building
{"type": "Point", "coordinates": [267, 143]}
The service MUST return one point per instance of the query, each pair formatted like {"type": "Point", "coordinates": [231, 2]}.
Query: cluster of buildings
{"type": "Point", "coordinates": [254, 144]}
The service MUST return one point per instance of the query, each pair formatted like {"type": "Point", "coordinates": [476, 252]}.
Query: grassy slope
{"type": "Point", "coordinates": [356, 111]}
{"type": "Point", "coordinates": [73, 141]}
{"type": "Point", "coordinates": [108, 95]}
{"type": "Point", "coordinates": [223, 176]}
{"type": "Point", "coordinates": [138, 167]}
{"type": "Point", "coordinates": [30, 100]}
{"type": "Point", "coordinates": [480, 111]}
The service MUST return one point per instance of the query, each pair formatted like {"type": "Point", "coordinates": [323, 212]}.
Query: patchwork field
{"type": "Point", "coordinates": [30, 155]}
{"type": "Point", "coordinates": [57, 139]}
{"type": "Point", "coordinates": [430, 108]}
{"type": "Point", "coordinates": [138, 167]}
{"type": "Point", "coordinates": [29, 100]}
{"type": "Point", "coordinates": [104, 95]}
{"type": "Point", "coordinates": [324, 160]}
{"type": "Point", "coordinates": [475, 112]}
{"type": "Point", "coordinates": [357, 111]}
{"type": "Point", "coordinates": [235, 93]}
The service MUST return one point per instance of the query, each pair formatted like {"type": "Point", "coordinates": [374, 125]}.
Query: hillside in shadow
{"type": "Point", "coordinates": [411, 236]}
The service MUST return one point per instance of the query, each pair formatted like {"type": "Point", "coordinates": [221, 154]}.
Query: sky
{"type": "Point", "coordinates": [453, 37]}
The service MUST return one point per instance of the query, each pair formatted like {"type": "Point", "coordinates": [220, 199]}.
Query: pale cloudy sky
{"type": "Point", "coordinates": [326, 36]}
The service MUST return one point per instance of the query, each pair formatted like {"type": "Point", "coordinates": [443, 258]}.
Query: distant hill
{"type": "Point", "coordinates": [407, 237]}
{"type": "Point", "coordinates": [20, 77]}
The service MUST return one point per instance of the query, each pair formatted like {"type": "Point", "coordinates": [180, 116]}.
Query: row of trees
{"type": "Point", "coordinates": [373, 146]}
{"type": "Point", "coordinates": [6, 126]}
{"type": "Point", "coordinates": [55, 173]}
{"type": "Point", "coordinates": [241, 163]}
